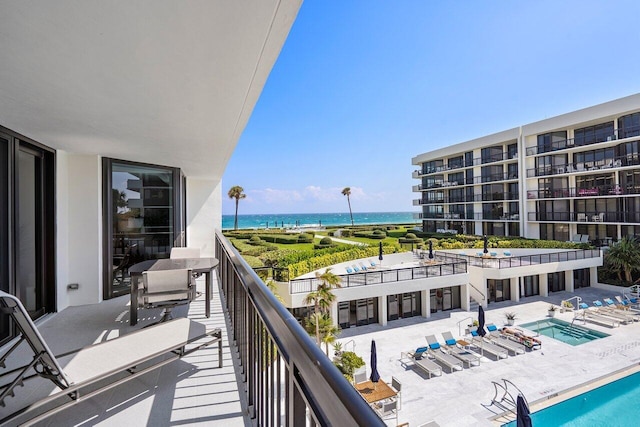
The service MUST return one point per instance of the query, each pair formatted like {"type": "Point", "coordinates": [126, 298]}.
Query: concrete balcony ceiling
{"type": "Point", "coordinates": [156, 81]}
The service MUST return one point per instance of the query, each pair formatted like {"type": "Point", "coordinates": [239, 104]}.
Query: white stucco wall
{"type": "Point", "coordinates": [204, 214]}
{"type": "Point", "coordinates": [83, 229]}
{"type": "Point", "coordinates": [62, 230]}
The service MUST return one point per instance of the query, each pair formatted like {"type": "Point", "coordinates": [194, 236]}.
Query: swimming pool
{"type": "Point", "coordinates": [611, 405]}
{"type": "Point", "coordinates": [564, 331]}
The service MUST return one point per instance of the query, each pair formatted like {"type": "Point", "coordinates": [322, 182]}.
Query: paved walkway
{"type": "Point", "coordinates": [456, 399]}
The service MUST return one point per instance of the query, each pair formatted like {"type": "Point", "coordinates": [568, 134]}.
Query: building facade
{"type": "Point", "coordinates": [573, 176]}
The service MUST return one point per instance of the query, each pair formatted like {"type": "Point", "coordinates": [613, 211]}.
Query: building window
{"type": "Point", "coordinates": [468, 158]}
{"type": "Point", "coordinates": [581, 278]}
{"type": "Point", "coordinates": [403, 305]}
{"type": "Point", "coordinates": [529, 286]}
{"type": "Point", "coordinates": [555, 281]}
{"type": "Point", "coordinates": [444, 299]}
{"type": "Point", "coordinates": [499, 290]}
{"type": "Point", "coordinates": [143, 209]}
{"type": "Point", "coordinates": [593, 134]}
{"type": "Point", "coordinates": [492, 154]}
{"type": "Point", "coordinates": [552, 141]}
{"type": "Point", "coordinates": [629, 125]}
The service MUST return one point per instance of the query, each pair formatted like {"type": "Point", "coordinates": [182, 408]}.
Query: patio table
{"type": "Point", "coordinates": [373, 393]}
{"type": "Point", "coordinates": [197, 265]}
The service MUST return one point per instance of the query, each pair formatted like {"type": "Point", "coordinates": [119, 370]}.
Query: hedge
{"type": "Point", "coordinates": [327, 260]}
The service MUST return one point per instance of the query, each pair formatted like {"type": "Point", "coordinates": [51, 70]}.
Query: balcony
{"type": "Point", "coordinates": [599, 191]}
{"type": "Point", "coordinates": [279, 374]}
{"type": "Point", "coordinates": [582, 142]}
{"type": "Point", "coordinates": [478, 161]}
{"type": "Point", "coordinates": [586, 217]}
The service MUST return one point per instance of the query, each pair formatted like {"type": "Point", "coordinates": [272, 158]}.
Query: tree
{"type": "Point", "coordinates": [346, 191]}
{"type": "Point", "coordinates": [624, 256]}
{"type": "Point", "coordinates": [322, 297]}
{"type": "Point", "coordinates": [236, 192]}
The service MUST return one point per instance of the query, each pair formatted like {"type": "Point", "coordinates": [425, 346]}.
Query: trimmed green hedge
{"type": "Point", "coordinates": [327, 260]}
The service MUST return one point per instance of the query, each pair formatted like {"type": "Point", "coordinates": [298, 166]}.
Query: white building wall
{"type": "Point", "coordinates": [62, 230]}
{"type": "Point", "coordinates": [84, 229]}
{"type": "Point", "coordinates": [204, 214]}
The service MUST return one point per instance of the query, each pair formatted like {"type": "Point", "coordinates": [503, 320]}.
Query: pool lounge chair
{"type": "Point", "coordinates": [438, 353]}
{"type": "Point", "coordinates": [621, 308]}
{"type": "Point", "coordinates": [486, 346]}
{"type": "Point", "coordinates": [518, 335]}
{"type": "Point", "coordinates": [586, 313]}
{"type": "Point", "coordinates": [355, 268]}
{"type": "Point", "coordinates": [467, 357]}
{"type": "Point", "coordinates": [349, 270]}
{"type": "Point", "coordinates": [600, 308]}
{"type": "Point", "coordinates": [628, 304]}
{"type": "Point", "coordinates": [363, 267]}
{"type": "Point", "coordinates": [496, 337]}
{"type": "Point", "coordinates": [421, 360]}
{"type": "Point", "coordinates": [95, 368]}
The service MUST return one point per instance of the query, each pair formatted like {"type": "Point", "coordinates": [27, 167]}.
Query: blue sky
{"type": "Point", "coordinates": [361, 87]}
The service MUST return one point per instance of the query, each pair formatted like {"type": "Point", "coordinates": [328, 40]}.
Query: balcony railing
{"type": "Point", "coordinates": [509, 216]}
{"type": "Point", "coordinates": [376, 277]}
{"type": "Point", "coordinates": [527, 260]}
{"type": "Point", "coordinates": [582, 141]}
{"type": "Point", "coordinates": [467, 199]}
{"type": "Point", "coordinates": [603, 190]}
{"type": "Point", "coordinates": [589, 217]}
{"type": "Point", "coordinates": [288, 379]}
{"type": "Point", "coordinates": [476, 162]}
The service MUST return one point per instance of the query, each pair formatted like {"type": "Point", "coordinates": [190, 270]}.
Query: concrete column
{"type": "Point", "coordinates": [382, 310]}
{"type": "Point", "coordinates": [593, 276]}
{"type": "Point", "coordinates": [465, 297]}
{"type": "Point", "coordinates": [543, 282]}
{"type": "Point", "coordinates": [425, 302]}
{"type": "Point", "coordinates": [515, 289]}
{"type": "Point", "coordinates": [334, 313]}
{"type": "Point", "coordinates": [569, 285]}
{"type": "Point", "coordinates": [204, 215]}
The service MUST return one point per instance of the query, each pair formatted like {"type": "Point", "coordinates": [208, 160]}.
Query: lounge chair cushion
{"type": "Point", "coordinates": [492, 328]}
{"type": "Point", "coordinates": [474, 333]}
{"type": "Point", "coordinates": [434, 346]}
{"type": "Point", "coordinates": [583, 306]}
{"type": "Point", "coordinates": [451, 342]}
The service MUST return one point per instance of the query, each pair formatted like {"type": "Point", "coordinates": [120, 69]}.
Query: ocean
{"type": "Point", "coordinates": [317, 219]}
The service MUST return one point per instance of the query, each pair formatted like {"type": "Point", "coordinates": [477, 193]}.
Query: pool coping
{"type": "Point", "coordinates": [569, 393]}
{"type": "Point", "coordinates": [594, 332]}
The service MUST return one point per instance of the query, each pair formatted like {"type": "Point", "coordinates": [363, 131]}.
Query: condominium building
{"type": "Point", "coordinates": [575, 176]}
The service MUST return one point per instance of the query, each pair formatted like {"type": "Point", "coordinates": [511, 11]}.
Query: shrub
{"type": "Point", "coordinates": [305, 238]}
{"type": "Point", "coordinates": [348, 363]}
{"type": "Point", "coordinates": [326, 241]}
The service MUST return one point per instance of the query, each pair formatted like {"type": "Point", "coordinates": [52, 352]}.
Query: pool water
{"type": "Point", "coordinates": [611, 405]}
{"type": "Point", "coordinates": [564, 331]}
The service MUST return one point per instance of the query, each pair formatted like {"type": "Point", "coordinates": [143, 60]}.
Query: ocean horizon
{"type": "Point", "coordinates": [257, 221]}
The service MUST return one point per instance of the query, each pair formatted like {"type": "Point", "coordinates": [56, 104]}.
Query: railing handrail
{"type": "Point", "coordinates": [314, 383]}
{"type": "Point", "coordinates": [532, 259]}
{"type": "Point", "coordinates": [394, 275]}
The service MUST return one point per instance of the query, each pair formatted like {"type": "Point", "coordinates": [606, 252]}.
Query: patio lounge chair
{"type": "Point", "coordinates": [517, 335]}
{"type": "Point", "coordinates": [628, 304]}
{"type": "Point", "coordinates": [420, 359]}
{"type": "Point", "coordinates": [95, 368]}
{"type": "Point", "coordinates": [467, 357]}
{"type": "Point", "coordinates": [498, 339]}
{"type": "Point", "coordinates": [487, 346]}
{"type": "Point", "coordinates": [621, 308]}
{"type": "Point", "coordinates": [623, 317]}
{"type": "Point", "coordinates": [441, 356]}
{"type": "Point", "coordinates": [587, 313]}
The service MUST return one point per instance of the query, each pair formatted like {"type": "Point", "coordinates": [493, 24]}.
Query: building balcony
{"type": "Point", "coordinates": [569, 143]}
{"type": "Point", "coordinates": [586, 217]}
{"type": "Point", "coordinates": [600, 191]}
{"type": "Point", "coordinates": [262, 381]}
{"type": "Point", "coordinates": [463, 199]}
{"type": "Point", "coordinates": [478, 161]}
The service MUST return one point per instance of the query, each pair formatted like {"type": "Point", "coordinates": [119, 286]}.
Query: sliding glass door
{"type": "Point", "coordinates": [27, 224]}
{"type": "Point", "coordinates": [144, 209]}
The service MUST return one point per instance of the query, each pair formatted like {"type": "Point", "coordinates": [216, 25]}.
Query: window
{"type": "Point", "coordinates": [468, 158]}
{"type": "Point", "coordinates": [455, 162]}
{"type": "Point", "coordinates": [593, 134]}
{"type": "Point", "coordinates": [492, 154]}
{"type": "Point", "coordinates": [555, 281]}
{"type": "Point", "coordinates": [629, 125]}
{"type": "Point", "coordinates": [552, 141]}
{"type": "Point", "coordinates": [529, 286]}
{"type": "Point", "coordinates": [143, 210]}
{"type": "Point", "coordinates": [492, 173]}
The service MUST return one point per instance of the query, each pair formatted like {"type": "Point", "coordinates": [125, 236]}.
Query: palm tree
{"type": "Point", "coordinates": [236, 192]}
{"type": "Point", "coordinates": [322, 297]}
{"type": "Point", "coordinates": [346, 191]}
{"type": "Point", "coordinates": [624, 256]}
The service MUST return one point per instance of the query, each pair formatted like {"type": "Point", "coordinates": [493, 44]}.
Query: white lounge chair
{"type": "Point", "coordinates": [496, 337]}
{"type": "Point", "coordinates": [621, 308]}
{"type": "Point", "coordinates": [96, 368]}
{"type": "Point", "coordinates": [438, 353]}
{"type": "Point", "coordinates": [600, 308]}
{"type": "Point", "coordinates": [486, 346]}
{"type": "Point", "coordinates": [467, 357]}
{"type": "Point", "coordinates": [421, 360]}
{"type": "Point", "coordinates": [586, 313]}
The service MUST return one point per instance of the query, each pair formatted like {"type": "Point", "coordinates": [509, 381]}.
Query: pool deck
{"type": "Point", "coordinates": [456, 399]}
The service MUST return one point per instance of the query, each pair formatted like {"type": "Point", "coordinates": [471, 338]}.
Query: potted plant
{"type": "Point", "coordinates": [511, 317]}
{"type": "Point", "coordinates": [552, 310]}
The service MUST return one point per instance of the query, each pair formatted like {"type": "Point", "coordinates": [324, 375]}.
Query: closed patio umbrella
{"type": "Point", "coordinates": [522, 416]}
{"type": "Point", "coordinates": [481, 330]}
{"type": "Point", "coordinates": [375, 376]}
{"type": "Point", "coordinates": [485, 250]}
{"type": "Point", "coordinates": [430, 249]}
{"type": "Point", "coordinates": [380, 253]}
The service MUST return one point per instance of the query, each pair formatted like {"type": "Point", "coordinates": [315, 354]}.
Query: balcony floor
{"type": "Point", "coordinates": [189, 391]}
